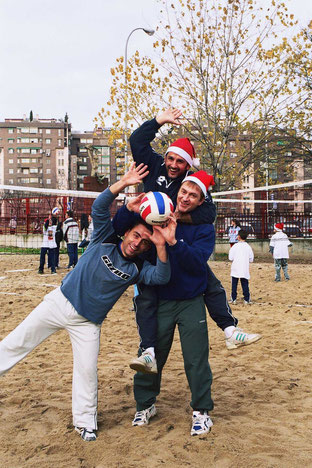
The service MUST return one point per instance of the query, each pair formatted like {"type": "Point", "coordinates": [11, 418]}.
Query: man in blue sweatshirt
{"type": "Point", "coordinates": [166, 175]}
{"type": "Point", "coordinates": [86, 295]}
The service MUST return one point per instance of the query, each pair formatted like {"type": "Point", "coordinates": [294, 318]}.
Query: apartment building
{"type": "Point", "coordinates": [35, 153]}
{"type": "Point", "coordinates": [97, 143]}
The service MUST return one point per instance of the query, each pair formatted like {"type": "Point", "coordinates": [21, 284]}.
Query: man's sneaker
{"type": "Point", "coordinates": [142, 418]}
{"type": "Point", "coordinates": [201, 423]}
{"type": "Point", "coordinates": [40, 272]}
{"type": "Point", "coordinates": [88, 435]}
{"type": "Point", "coordinates": [53, 272]}
{"type": "Point", "coordinates": [146, 363]}
{"type": "Point", "coordinates": [232, 302]}
{"type": "Point", "coordinates": [247, 302]}
{"type": "Point", "coordinates": [240, 338]}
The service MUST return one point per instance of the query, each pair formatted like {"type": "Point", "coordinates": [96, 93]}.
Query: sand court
{"type": "Point", "coordinates": [262, 393]}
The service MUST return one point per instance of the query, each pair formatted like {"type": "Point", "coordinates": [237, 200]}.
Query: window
{"type": "Point", "coordinates": [48, 171]}
{"type": "Point", "coordinates": [33, 151]}
{"type": "Point", "coordinates": [33, 130]}
{"type": "Point", "coordinates": [60, 132]}
{"type": "Point", "coordinates": [25, 160]}
{"type": "Point", "coordinates": [48, 152]}
{"type": "Point", "coordinates": [233, 155]}
{"type": "Point", "coordinates": [83, 150]}
{"type": "Point", "coordinates": [34, 140]}
{"type": "Point", "coordinates": [33, 170]}
{"type": "Point", "coordinates": [25, 150]}
{"type": "Point", "coordinates": [40, 130]}
{"type": "Point", "coordinates": [48, 141]}
{"type": "Point", "coordinates": [11, 151]}
{"type": "Point", "coordinates": [33, 160]}
{"type": "Point", "coordinates": [83, 140]}
{"type": "Point", "coordinates": [11, 171]}
{"type": "Point", "coordinates": [10, 130]}
{"type": "Point", "coordinates": [83, 168]}
{"type": "Point", "coordinates": [11, 161]}
{"type": "Point", "coordinates": [89, 140]}
{"type": "Point", "coordinates": [34, 180]}
{"type": "Point", "coordinates": [48, 161]}
{"type": "Point", "coordinates": [25, 171]}
{"type": "Point", "coordinates": [59, 142]}
{"type": "Point", "coordinates": [48, 181]}
{"type": "Point", "coordinates": [24, 130]}
{"type": "Point", "coordinates": [11, 181]}
{"type": "Point", "coordinates": [24, 181]}
{"type": "Point", "coordinates": [10, 140]}
{"type": "Point", "coordinates": [48, 131]}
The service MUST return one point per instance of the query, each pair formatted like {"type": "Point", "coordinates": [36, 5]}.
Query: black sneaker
{"type": "Point", "coordinates": [40, 272]}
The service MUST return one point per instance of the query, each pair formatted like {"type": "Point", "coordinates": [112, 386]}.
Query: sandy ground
{"type": "Point", "coordinates": [262, 392]}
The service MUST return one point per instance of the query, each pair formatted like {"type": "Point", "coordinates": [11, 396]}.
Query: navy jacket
{"type": "Point", "coordinates": [157, 180]}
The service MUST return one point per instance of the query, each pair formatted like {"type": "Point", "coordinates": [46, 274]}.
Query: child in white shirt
{"type": "Point", "coordinates": [241, 255]}
{"type": "Point", "coordinates": [279, 248]}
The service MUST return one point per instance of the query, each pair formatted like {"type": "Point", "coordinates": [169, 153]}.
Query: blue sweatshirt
{"type": "Point", "coordinates": [157, 180]}
{"type": "Point", "coordinates": [188, 258]}
{"type": "Point", "coordinates": [102, 273]}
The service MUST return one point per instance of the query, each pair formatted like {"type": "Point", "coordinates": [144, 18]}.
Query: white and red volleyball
{"type": "Point", "coordinates": [55, 211]}
{"type": "Point", "coordinates": [156, 208]}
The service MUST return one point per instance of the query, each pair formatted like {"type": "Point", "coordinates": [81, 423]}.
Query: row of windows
{"type": "Point", "coordinates": [32, 170]}
{"type": "Point", "coordinates": [48, 141]}
{"type": "Point", "coordinates": [34, 130]}
{"type": "Point", "coordinates": [30, 180]}
{"type": "Point", "coordinates": [29, 160]}
{"type": "Point", "coordinates": [47, 152]}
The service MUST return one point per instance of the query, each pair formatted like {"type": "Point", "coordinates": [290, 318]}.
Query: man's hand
{"type": "Point", "coordinates": [134, 176]}
{"type": "Point", "coordinates": [134, 203]}
{"type": "Point", "coordinates": [169, 116]}
{"type": "Point", "coordinates": [168, 230]}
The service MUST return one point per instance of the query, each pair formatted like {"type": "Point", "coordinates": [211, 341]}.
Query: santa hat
{"type": "Point", "coordinates": [184, 148]}
{"type": "Point", "coordinates": [202, 179]}
{"type": "Point", "coordinates": [279, 226]}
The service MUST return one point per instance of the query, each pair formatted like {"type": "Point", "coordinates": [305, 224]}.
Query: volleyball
{"type": "Point", "coordinates": [55, 211]}
{"type": "Point", "coordinates": [156, 208]}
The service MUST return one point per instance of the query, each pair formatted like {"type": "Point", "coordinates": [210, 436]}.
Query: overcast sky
{"type": "Point", "coordinates": [56, 55]}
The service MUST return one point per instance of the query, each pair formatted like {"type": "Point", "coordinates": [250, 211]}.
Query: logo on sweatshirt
{"type": "Point", "coordinates": [113, 269]}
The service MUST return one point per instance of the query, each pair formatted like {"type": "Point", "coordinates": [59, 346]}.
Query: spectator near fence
{"type": "Point", "coordinates": [71, 237]}
{"type": "Point", "coordinates": [49, 245]}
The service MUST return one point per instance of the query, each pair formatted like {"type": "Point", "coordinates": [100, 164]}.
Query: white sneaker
{"type": "Point", "coordinates": [142, 418]}
{"type": "Point", "coordinates": [201, 423]}
{"type": "Point", "coordinates": [146, 363]}
{"type": "Point", "coordinates": [88, 435]}
{"type": "Point", "coordinates": [247, 302]}
{"type": "Point", "coordinates": [232, 302]}
{"type": "Point", "coordinates": [240, 338]}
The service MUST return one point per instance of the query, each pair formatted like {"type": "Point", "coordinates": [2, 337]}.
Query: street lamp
{"type": "Point", "coordinates": [150, 32]}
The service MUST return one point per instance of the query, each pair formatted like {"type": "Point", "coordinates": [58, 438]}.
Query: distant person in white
{"type": "Point", "coordinates": [241, 255]}
{"type": "Point", "coordinates": [279, 248]}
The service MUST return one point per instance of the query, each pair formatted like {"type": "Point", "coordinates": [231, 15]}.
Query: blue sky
{"type": "Point", "coordinates": [56, 55]}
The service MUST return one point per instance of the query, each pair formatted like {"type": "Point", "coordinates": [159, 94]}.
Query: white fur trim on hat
{"type": "Point", "coordinates": [197, 181]}
{"type": "Point", "coordinates": [195, 162]}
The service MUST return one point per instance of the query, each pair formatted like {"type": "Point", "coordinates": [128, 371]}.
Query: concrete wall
{"type": "Point", "coordinates": [301, 248]}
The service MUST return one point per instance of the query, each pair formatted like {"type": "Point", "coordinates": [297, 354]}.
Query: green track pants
{"type": "Point", "coordinates": [190, 316]}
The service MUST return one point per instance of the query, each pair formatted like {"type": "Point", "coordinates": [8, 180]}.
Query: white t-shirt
{"type": "Point", "coordinates": [241, 255]}
{"type": "Point", "coordinates": [280, 243]}
{"type": "Point", "coordinates": [49, 237]}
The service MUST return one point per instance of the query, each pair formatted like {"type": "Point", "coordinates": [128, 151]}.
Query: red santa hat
{"type": "Point", "coordinates": [184, 148]}
{"type": "Point", "coordinates": [202, 179]}
{"type": "Point", "coordinates": [278, 226]}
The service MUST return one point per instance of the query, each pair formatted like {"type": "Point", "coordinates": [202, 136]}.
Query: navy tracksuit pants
{"type": "Point", "coordinates": [146, 305]}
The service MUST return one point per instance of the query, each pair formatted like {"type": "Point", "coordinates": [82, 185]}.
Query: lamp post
{"type": "Point", "coordinates": [150, 32]}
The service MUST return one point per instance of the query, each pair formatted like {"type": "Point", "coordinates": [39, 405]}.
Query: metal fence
{"type": "Point", "coordinates": [22, 219]}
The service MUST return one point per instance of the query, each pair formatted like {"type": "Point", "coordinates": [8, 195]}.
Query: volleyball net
{"type": "Point", "coordinates": [23, 211]}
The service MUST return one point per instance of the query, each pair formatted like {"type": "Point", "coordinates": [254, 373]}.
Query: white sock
{"type": "Point", "coordinates": [228, 331]}
{"type": "Point", "coordinates": [150, 350]}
